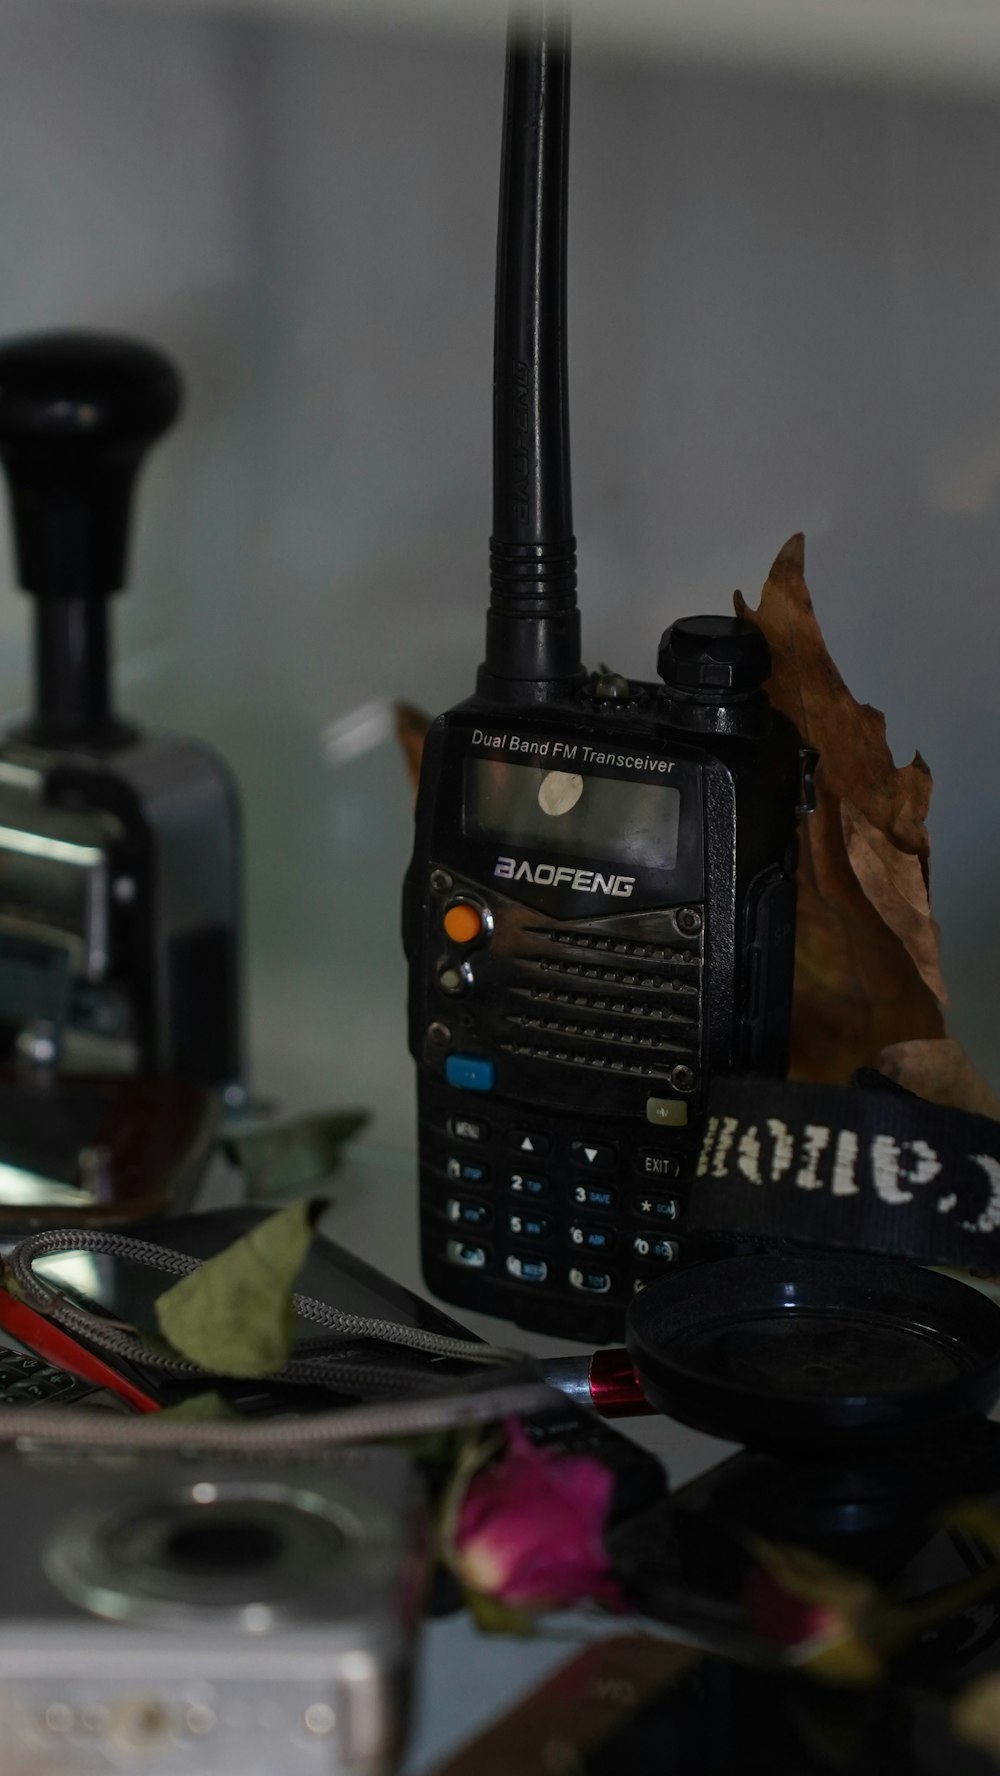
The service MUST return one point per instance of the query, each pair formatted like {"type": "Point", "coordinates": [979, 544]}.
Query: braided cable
{"type": "Point", "coordinates": [93, 1430]}
{"type": "Point", "coordinates": [304, 1365]}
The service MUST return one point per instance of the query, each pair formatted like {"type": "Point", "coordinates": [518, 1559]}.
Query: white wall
{"type": "Point", "coordinates": [784, 307]}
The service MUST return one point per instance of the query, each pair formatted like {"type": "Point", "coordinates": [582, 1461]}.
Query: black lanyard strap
{"type": "Point", "coordinates": [875, 1170]}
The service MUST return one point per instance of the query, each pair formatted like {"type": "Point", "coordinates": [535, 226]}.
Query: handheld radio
{"type": "Point", "coordinates": [599, 915]}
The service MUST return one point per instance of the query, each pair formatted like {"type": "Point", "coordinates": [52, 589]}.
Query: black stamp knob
{"type": "Point", "coordinates": [78, 412]}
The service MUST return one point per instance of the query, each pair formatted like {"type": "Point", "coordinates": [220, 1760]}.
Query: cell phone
{"type": "Point", "coordinates": [41, 1365]}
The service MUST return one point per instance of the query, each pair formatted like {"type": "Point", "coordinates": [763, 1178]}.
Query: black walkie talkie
{"type": "Point", "coordinates": [600, 910]}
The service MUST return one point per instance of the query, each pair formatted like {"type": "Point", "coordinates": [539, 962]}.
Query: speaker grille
{"type": "Point", "coordinates": [618, 1004]}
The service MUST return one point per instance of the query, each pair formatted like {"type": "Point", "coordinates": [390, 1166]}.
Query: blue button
{"type": "Point", "coordinates": [470, 1073]}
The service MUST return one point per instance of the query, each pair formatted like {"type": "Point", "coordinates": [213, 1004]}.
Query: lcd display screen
{"type": "Point", "coordinates": [571, 813]}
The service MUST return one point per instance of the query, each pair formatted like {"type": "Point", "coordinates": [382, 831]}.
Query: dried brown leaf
{"type": "Point", "coordinates": [942, 1073]}
{"type": "Point", "coordinates": [857, 987]}
{"type": "Point", "coordinates": [895, 884]}
{"type": "Point", "coordinates": [411, 730]}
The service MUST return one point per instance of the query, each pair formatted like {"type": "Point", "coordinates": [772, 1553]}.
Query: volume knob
{"type": "Point", "coordinates": [713, 658]}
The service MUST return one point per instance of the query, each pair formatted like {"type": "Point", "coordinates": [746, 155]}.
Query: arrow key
{"type": "Point", "coordinates": [529, 1141]}
{"type": "Point", "coordinates": [596, 1155]}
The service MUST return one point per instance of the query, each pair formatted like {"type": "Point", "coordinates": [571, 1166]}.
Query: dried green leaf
{"type": "Point", "coordinates": [493, 1617]}
{"type": "Point", "coordinates": [472, 1452]}
{"type": "Point", "coordinates": [201, 1409]}
{"type": "Point", "coordinates": [235, 1314]}
{"type": "Point", "coordinates": [285, 1158]}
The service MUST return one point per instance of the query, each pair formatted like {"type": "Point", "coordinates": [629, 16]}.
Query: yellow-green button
{"type": "Point", "coordinates": [667, 1112]}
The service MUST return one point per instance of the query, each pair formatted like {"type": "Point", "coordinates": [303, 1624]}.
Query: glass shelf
{"type": "Point", "coordinates": [907, 41]}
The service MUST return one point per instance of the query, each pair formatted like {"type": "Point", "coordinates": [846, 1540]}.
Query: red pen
{"type": "Point", "coordinates": [605, 1381]}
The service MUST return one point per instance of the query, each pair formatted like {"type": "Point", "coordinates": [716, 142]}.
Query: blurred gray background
{"type": "Point", "coordinates": [785, 291]}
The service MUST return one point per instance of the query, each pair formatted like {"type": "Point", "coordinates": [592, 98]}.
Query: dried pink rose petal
{"type": "Point", "coordinates": [530, 1529]}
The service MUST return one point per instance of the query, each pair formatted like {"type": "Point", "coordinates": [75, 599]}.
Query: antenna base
{"type": "Point", "coordinates": [496, 689]}
{"type": "Point", "coordinates": [529, 650]}
{"type": "Point", "coordinates": [533, 624]}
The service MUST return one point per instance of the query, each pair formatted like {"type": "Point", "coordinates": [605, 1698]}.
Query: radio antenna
{"type": "Point", "coordinates": [533, 626]}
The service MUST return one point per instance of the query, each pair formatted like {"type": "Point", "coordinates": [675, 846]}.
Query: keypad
{"type": "Point", "coordinates": [15, 1365]}
{"type": "Point", "coordinates": [581, 1211]}
{"type": "Point", "coordinates": [28, 1381]}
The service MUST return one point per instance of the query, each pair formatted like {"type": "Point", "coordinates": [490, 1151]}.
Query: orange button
{"type": "Point", "coordinates": [463, 922]}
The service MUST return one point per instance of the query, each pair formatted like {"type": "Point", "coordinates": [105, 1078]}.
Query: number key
{"type": "Point", "coordinates": [591, 1236]}
{"type": "Point", "coordinates": [527, 1184]}
{"type": "Point", "coordinates": [593, 1196]}
{"type": "Point", "coordinates": [533, 1227]}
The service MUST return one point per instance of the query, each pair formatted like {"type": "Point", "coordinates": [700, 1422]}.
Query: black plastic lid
{"type": "Point", "coordinates": [798, 1349]}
